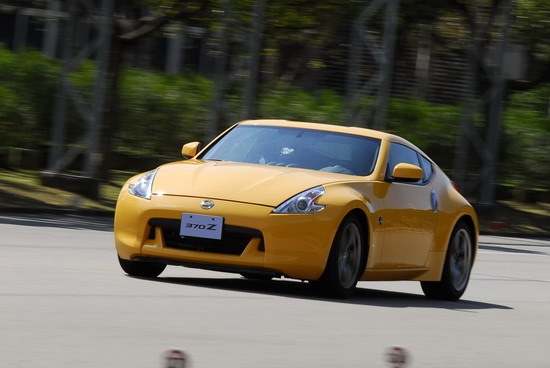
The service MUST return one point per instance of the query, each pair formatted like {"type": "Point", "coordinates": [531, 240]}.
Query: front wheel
{"type": "Point", "coordinates": [345, 261]}
{"type": "Point", "coordinates": [457, 268]}
{"type": "Point", "coordinates": [141, 269]}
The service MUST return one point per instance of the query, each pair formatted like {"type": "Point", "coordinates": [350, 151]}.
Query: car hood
{"type": "Point", "coordinates": [240, 182]}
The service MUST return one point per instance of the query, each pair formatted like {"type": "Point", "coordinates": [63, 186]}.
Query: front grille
{"type": "Point", "coordinates": [234, 238]}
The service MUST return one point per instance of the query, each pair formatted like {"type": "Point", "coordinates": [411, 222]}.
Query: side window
{"type": "Point", "coordinates": [426, 166]}
{"type": "Point", "coordinates": [400, 153]}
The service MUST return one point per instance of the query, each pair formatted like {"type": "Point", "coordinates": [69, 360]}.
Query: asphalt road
{"type": "Point", "coordinates": [64, 302]}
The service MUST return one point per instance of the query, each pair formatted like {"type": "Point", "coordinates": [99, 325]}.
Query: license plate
{"type": "Point", "coordinates": [201, 226]}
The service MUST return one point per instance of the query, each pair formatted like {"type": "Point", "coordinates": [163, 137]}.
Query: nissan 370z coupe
{"type": "Point", "coordinates": [329, 204]}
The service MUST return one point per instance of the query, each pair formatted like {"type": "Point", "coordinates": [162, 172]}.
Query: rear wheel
{"type": "Point", "coordinates": [457, 268]}
{"type": "Point", "coordinates": [345, 261]}
{"type": "Point", "coordinates": [141, 269]}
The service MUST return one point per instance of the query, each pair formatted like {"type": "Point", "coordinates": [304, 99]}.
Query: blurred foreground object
{"type": "Point", "coordinates": [175, 358]}
{"type": "Point", "coordinates": [397, 357]}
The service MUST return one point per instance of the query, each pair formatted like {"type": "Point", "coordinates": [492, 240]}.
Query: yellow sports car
{"type": "Point", "coordinates": [329, 204]}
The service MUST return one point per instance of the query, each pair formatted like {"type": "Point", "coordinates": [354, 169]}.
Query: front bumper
{"type": "Point", "coordinates": [292, 245]}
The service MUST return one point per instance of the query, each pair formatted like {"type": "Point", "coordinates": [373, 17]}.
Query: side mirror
{"type": "Point", "coordinates": [407, 172]}
{"type": "Point", "coordinates": [190, 149]}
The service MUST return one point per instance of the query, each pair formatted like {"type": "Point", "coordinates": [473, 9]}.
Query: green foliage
{"type": "Point", "coordinates": [524, 161]}
{"type": "Point", "coordinates": [532, 26]}
{"type": "Point", "coordinates": [294, 104]}
{"type": "Point", "coordinates": [433, 128]}
{"type": "Point", "coordinates": [530, 108]}
{"type": "Point", "coordinates": [27, 84]}
{"type": "Point", "coordinates": [526, 140]}
{"type": "Point", "coordinates": [83, 79]}
{"type": "Point", "coordinates": [159, 112]}
{"type": "Point", "coordinates": [13, 116]}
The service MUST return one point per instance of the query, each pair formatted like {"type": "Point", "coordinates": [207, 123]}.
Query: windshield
{"type": "Point", "coordinates": [297, 147]}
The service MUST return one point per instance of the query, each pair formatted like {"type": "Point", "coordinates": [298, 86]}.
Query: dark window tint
{"type": "Point", "coordinates": [296, 147]}
{"type": "Point", "coordinates": [426, 166]}
{"type": "Point", "coordinates": [402, 154]}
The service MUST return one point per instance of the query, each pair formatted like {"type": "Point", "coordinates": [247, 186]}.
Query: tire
{"type": "Point", "coordinates": [346, 260]}
{"type": "Point", "coordinates": [456, 270]}
{"type": "Point", "coordinates": [141, 269]}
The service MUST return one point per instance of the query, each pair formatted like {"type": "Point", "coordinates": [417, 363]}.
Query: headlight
{"type": "Point", "coordinates": [304, 202]}
{"type": "Point", "coordinates": [143, 186]}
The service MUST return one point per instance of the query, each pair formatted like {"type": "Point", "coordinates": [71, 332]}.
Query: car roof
{"type": "Point", "coordinates": [322, 126]}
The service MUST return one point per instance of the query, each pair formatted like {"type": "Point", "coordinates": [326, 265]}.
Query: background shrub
{"type": "Point", "coordinates": [157, 113]}
{"type": "Point", "coordinates": [27, 86]}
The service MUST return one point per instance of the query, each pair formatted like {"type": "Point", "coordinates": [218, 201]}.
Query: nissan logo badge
{"type": "Point", "coordinates": [207, 204]}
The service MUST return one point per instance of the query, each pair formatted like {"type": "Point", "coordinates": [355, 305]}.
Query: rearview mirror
{"type": "Point", "coordinates": [407, 172]}
{"type": "Point", "coordinates": [190, 149]}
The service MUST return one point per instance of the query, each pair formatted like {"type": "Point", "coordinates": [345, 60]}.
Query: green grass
{"type": "Point", "coordinates": [21, 190]}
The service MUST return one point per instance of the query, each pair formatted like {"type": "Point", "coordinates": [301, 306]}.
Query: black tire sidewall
{"type": "Point", "coordinates": [330, 280]}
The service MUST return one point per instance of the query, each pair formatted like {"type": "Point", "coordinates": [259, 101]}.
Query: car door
{"type": "Point", "coordinates": [409, 218]}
